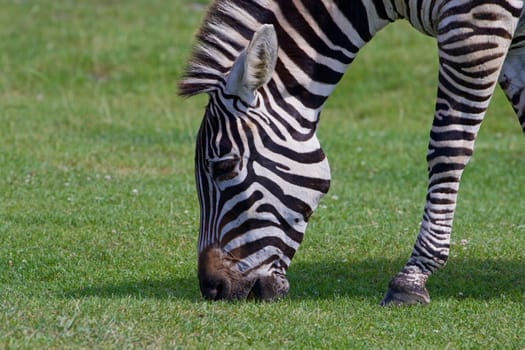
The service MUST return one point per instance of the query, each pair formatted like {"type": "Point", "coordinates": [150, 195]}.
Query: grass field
{"type": "Point", "coordinates": [99, 217]}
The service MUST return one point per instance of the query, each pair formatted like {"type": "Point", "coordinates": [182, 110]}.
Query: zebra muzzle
{"type": "Point", "coordinates": [219, 279]}
{"type": "Point", "coordinates": [270, 287]}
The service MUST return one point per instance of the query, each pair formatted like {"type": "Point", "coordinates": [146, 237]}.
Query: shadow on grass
{"type": "Point", "coordinates": [368, 279]}
{"type": "Point", "coordinates": [461, 278]}
{"type": "Point", "coordinates": [176, 288]}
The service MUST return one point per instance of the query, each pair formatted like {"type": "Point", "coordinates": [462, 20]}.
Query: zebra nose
{"type": "Point", "coordinates": [214, 281]}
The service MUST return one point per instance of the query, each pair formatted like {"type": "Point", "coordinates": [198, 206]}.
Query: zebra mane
{"type": "Point", "coordinates": [223, 35]}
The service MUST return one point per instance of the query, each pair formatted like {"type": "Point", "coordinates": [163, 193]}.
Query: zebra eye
{"type": "Point", "coordinates": [224, 169]}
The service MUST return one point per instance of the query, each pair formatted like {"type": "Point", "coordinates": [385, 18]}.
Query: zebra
{"type": "Point", "coordinates": [268, 68]}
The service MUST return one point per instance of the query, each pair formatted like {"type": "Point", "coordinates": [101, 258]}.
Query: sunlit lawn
{"type": "Point", "coordinates": [99, 217]}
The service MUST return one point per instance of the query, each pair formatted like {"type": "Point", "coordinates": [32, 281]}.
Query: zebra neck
{"type": "Point", "coordinates": [317, 41]}
{"type": "Point", "coordinates": [424, 19]}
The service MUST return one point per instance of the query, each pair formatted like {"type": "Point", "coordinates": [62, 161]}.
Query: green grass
{"type": "Point", "coordinates": [99, 217]}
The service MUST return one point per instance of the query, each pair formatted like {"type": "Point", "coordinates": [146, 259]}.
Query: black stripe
{"type": "Point", "coordinates": [453, 135]}
{"type": "Point", "coordinates": [297, 21]}
{"type": "Point", "coordinates": [458, 106]}
{"type": "Point", "coordinates": [356, 13]}
{"type": "Point", "coordinates": [290, 111]}
{"type": "Point", "coordinates": [239, 207]}
{"type": "Point", "coordinates": [252, 247]}
{"type": "Point", "coordinates": [288, 229]}
{"type": "Point", "coordinates": [324, 19]}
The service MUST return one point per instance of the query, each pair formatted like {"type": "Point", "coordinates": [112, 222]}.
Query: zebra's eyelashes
{"type": "Point", "coordinates": [223, 169]}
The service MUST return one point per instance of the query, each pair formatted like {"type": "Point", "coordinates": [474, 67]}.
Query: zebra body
{"type": "Point", "coordinates": [269, 66]}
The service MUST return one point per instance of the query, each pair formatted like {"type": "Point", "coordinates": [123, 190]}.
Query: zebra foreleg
{"type": "Point", "coordinates": [450, 150]}
{"type": "Point", "coordinates": [469, 66]}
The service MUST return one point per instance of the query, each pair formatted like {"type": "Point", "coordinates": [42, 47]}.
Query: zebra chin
{"type": "Point", "coordinates": [220, 279]}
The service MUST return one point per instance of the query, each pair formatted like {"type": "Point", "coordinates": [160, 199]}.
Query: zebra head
{"type": "Point", "coordinates": [260, 173]}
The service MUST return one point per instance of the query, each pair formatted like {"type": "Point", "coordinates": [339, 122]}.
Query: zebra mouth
{"type": "Point", "coordinates": [219, 279]}
{"type": "Point", "coordinates": [270, 287]}
{"type": "Point", "coordinates": [265, 288]}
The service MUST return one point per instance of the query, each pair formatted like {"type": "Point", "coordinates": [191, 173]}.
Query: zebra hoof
{"type": "Point", "coordinates": [405, 289]}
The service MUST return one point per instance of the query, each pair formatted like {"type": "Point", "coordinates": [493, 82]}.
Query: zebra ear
{"type": "Point", "coordinates": [255, 66]}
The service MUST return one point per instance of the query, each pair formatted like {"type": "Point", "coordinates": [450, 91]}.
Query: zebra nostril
{"type": "Point", "coordinates": [209, 293]}
{"type": "Point", "coordinates": [214, 290]}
